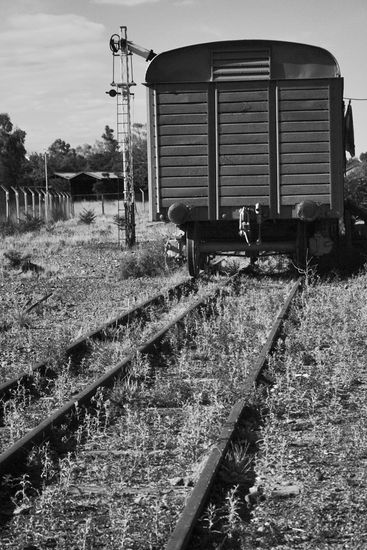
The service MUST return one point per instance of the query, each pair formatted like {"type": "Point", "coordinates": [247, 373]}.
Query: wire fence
{"type": "Point", "coordinates": [19, 203]}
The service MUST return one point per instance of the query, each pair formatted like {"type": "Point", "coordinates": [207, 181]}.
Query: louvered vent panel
{"type": "Point", "coordinates": [241, 65]}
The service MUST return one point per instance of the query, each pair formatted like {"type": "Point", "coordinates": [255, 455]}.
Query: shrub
{"type": "Point", "coordinates": [7, 228]}
{"type": "Point", "coordinates": [87, 216]}
{"type": "Point", "coordinates": [119, 220]}
{"type": "Point", "coordinates": [16, 259]}
{"type": "Point", "coordinates": [147, 260]}
{"type": "Point", "coordinates": [29, 223]}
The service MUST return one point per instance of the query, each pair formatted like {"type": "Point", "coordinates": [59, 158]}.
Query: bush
{"type": "Point", "coordinates": [16, 259]}
{"type": "Point", "coordinates": [87, 216]}
{"type": "Point", "coordinates": [30, 223]}
{"type": "Point", "coordinates": [23, 226]}
{"type": "Point", "coordinates": [147, 260]}
{"type": "Point", "coordinates": [119, 220]}
{"type": "Point", "coordinates": [7, 228]}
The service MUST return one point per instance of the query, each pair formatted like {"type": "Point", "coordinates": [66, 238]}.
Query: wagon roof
{"type": "Point", "coordinates": [287, 60]}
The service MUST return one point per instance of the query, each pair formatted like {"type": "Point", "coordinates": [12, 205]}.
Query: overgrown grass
{"type": "Point", "coordinates": [310, 482]}
{"type": "Point", "coordinates": [127, 481]}
{"type": "Point", "coordinates": [145, 260]}
{"type": "Point", "coordinates": [28, 224]}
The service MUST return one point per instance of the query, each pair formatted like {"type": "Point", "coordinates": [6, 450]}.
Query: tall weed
{"type": "Point", "coordinates": [147, 260]}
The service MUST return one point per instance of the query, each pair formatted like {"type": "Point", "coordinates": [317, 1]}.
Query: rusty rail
{"type": "Point", "coordinates": [11, 459]}
{"type": "Point", "coordinates": [41, 368]}
{"type": "Point", "coordinates": [182, 533]}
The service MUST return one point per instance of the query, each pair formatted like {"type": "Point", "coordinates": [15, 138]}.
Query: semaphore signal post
{"type": "Point", "coordinates": [122, 51]}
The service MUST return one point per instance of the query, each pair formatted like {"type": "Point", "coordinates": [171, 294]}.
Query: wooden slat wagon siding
{"type": "Point", "coordinates": [250, 128]}
{"type": "Point", "coordinates": [183, 150]}
{"type": "Point", "coordinates": [252, 139]}
{"type": "Point", "coordinates": [244, 170]}
{"type": "Point", "coordinates": [181, 192]}
{"type": "Point", "coordinates": [311, 147]}
{"type": "Point", "coordinates": [298, 179]}
{"type": "Point", "coordinates": [180, 159]}
{"type": "Point", "coordinates": [243, 145]}
{"type": "Point", "coordinates": [251, 190]}
{"type": "Point", "coordinates": [304, 143]}
{"type": "Point", "coordinates": [194, 201]}
{"type": "Point", "coordinates": [180, 96]}
{"type": "Point", "coordinates": [243, 106]}
{"type": "Point", "coordinates": [244, 180]}
{"type": "Point", "coordinates": [185, 139]}
{"type": "Point", "coordinates": [152, 144]}
{"type": "Point", "coordinates": [304, 137]}
{"type": "Point", "coordinates": [183, 146]}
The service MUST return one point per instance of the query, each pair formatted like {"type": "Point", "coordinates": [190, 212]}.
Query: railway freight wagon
{"type": "Point", "coordinates": [246, 148]}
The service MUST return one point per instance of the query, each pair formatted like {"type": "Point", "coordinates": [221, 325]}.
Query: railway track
{"type": "Point", "coordinates": [12, 459]}
{"type": "Point", "coordinates": [181, 535]}
{"type": "Point", "coordinates": [79, 346]}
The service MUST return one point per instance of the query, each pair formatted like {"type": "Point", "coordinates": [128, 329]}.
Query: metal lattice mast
{"type": "Point", "coordinates": [120, 50]}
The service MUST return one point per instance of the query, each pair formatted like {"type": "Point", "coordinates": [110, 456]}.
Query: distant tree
{"type": "Point", "coordinates": [105, 155]}
{"type": "Point", "coordinates": [356, 181]}
{"type": "Point", "coordinates": [139, 139]}
{"type": "Point", "coordinates": [63, 158]}
{"type": "Point", "coordinates": [36, 164]}
{"type": "Point", "coordinates": [13, 162]}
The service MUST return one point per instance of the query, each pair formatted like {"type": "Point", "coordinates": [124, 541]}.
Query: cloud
{"type": "Point", "coordinates": [128, 3]}
{"type": "Point", "coordinates": [55, 70]}
{"type": "Point", "coordinates": [184, 2]}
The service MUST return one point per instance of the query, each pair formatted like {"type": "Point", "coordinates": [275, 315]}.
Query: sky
{"type": "Point", "coordinates": [56, 65]}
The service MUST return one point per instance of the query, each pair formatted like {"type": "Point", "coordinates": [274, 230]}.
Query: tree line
{"type": "Point", "coordinates": [18, 169]}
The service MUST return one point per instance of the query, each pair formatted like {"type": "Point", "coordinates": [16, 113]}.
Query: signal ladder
{"type": "Point", "coordinates": [124, 136]}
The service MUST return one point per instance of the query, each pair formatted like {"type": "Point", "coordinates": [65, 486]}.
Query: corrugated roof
{"type": "Point", "coordinates": [96, 175]}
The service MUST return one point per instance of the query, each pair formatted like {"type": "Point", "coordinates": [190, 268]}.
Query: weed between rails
{"type": "Point", "coordinates": [146, 260]}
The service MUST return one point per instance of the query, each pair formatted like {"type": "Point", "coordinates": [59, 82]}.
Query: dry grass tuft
{"type": "Point", "coordinates": [146, 260]}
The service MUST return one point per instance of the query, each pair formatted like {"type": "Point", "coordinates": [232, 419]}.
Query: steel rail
{"type": "Point", "coordinates": [181, 535]}
{"type": "Point", "coordinates": [41, 368]}
{"type": "Point", "coordinates": [12, 457]}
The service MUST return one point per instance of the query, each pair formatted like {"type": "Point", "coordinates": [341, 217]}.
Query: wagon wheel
{"type": "Point", "coordinates": [195, 259]}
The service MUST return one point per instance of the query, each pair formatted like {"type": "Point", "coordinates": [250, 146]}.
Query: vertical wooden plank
{"type": "Point", "coordinates": [212, 152]}
{"type": "Point", "coordinates": [273, 149]}
{"type": "Point", "coordinates": [152, 154]}
{"type": "Point", "coordinates": [217, 182]}
{"type": "Point", "coordinates": [336, 145]}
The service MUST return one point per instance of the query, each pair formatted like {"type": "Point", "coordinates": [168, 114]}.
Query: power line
{"type": "Point", "coordinates": [356, 98]}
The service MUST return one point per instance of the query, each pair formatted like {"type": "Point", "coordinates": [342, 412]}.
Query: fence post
{"type": "Point", "coordinates": [46, 199]}
{"type": "Point", "coordinates": [16, 202]}
{"type": "Point", "coordinates": [25, 195]}
{"type": "Point", "coordinates": [70, 204]}
{"type": "Point", "coordinates": [6, 202]}
{"type": "Point", "coordinates": [59, 205]}
{"type": "Point", "coordinates": [39, 204]}
{"type": "Point", "coordinates": [51, 198]}
{"type": "Point", "coordinates": [102, 205]}
{"type": "Point", "coordinates": [33, 202]}
{"type": "Point", "coordinates": [142, 197]}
